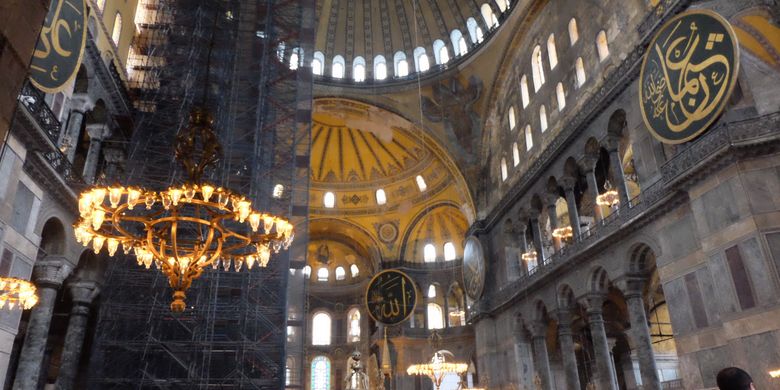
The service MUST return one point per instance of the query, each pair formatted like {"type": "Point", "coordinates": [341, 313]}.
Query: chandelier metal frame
{"type": "Point", "coordinates": [17, 292]}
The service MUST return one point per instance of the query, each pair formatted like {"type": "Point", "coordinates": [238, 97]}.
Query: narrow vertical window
{"type": "Point", "coordinates": [329, 200]}
{"type": "Point", "coordinates": [488, 16]}
{"type": "Point", "coordinates": [317, 63]}
{"type": "Point", "coordinates": [381, 198]}
{"type": "Point", "coordinates": [529, 138]}
{"type": "Point", "coordinates": [515, 154]}
{"type": "Point", "coordinates": [421, 183]}
{"type": "Point", "coordinates": [320, 334]}
{"type": "Point", "coordinates": [421, 60]}
{"type": "Point", "coordinates": [524, 95]}
{"type": "Point", "coordinates": [561, 94]}
{"type": "Point", "coordinates": [429, 253]}
{"type": "Point", "coordinates": [504, 171]}
{"type": "Point", "coordinates": [602, 46]}
{"type": "Point", "coordinates": [543, 118]}
{"type": "Point", "coordinates": [295, 58]}
{"type": "Point", "coordinates": [337, 71]}
{"type": "Point", "coordinates": [455, 37]}
{"type": "Point", "coordinates": [440, 53]}
{"type": "Point", "coordinates": [462, 46]}
{"type": "Point", "coordinates": [401, 66]}
{"type": "Point", "coordinates": [359, 69]}
{"type": "Point", "coordinates": [307, 271]}
{"type": "Point", "coordinates": [511, 116]}
{"type": "Point", "coordinates": [474, 31]}
{"type": "Point", "coordinates": [574, 35]}
{"type": "Point", "coordinates": [537, 67]}
{"type": "Point", "coordinates": [449, 251]}
{"type": "Point", "coordinates": [116, 34]}
{"type": "Point", "coordinates": [580, 69]}
{"type": "Point", "coordinates": [552, 53]}
{"type": "Point", "coordinates": [380, 68]}
{"type": "Point", "coordinates": [432, 291]}
{"type": "Point", "coordinates": [340, 273]}
{"type": "Point", "coordinates": [354, 270]}
{"type": "Point", "coordinates": [353, 334]}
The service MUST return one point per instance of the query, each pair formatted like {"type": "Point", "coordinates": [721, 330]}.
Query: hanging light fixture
{"type": "Point", "coordinates": [184, 228]}
{"type": "Point", "coordinates": [437, 369]}
{"type": "Point", "coordinates": [563, 233]}
{"type": "Point", "coordinates": [529, 256]}
{"type": "Point", "coordinates": [609, 198]}
{"type": "Point", "coordinates": [17, 293]}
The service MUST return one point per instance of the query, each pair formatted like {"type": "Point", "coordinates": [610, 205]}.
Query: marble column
{"type": "Point", "coordinates": [589, 166]}
{"type": "Point", "coordinates": [48, 275]}
{"type": "Point", "coordinates": [97, 132]}
{"type": "Point", "coordinates": [640, 333]}
{"type": "Point", "coordinates": [83, 294]}
{"type": "Point", "coordinates": [536, 230]}
{"type": "Point", "coordinates": [568, 184]}
{"type": "Point", "coordinates": [541, 357]}
{"type": "Point", "coordinates": [524, 360]}
{"type": "Point", "coordinates": [618, 178]}
{"type": "Point", "coordinates": [80, 104]}
{"type": "Point", "coordinates": [568, 355]}
{"type": "Point", "coordinates": [523, 242]}
{"type": "Point", "coordinates": [601, 348]}
{"type": "Point", "coordinates": [552, 214]}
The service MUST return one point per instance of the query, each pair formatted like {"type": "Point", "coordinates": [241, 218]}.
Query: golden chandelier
{"type": "Point", "coordinates": [184, 228]}
{"type": "Point", "coordinates": [609, 198]}
{"type": "Point", "coordinates": [437, 369]}
{"type": "Point", "coordinates": [17, 292]}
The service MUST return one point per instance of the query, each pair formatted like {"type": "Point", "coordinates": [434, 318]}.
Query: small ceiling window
{"type": "Point", "coordinates": [306, 271]}
{"type": "Point", "coordinates": [488, 15]}
{"type": "Point", "coordinates": [504, 170]}
{"type": "Point", "coordinates": [278, 191]}
{"type": "Point", "coordinates": [322, 274]}
{"type": "Point", "coordinates": [440, 53]}
{"type": "Point", "coordinates": [337, 71]}
{"type": "Point", "coordinates": [340, 273]}
{"type": "Point", "coordinates": [543, 118]}
{"type": "Point", "coordinates": [117, 32]}
{"type": "Point", "coordinates": [511, 118]}
{"type": "Point", "coordinates": [421, 183]}
{"type": "Point", "coordinates": [515, 154]}
{"type": "Point", "coordinates": [529, 138]}
{"type": "Point", "coordinates": [561, 94]}
{"type": "Point", "coordinates": [449, 251]}
{"type": "Point", "coordinates": [463, 46]}
{"type": "Point", "coordinates": [422, 63]}
{"type": "Point", "coordinates": [380, 68]}
{"type": "Point", "coordinates": [401, 66]}
{"type": "Point", "coordinates": [429, 253]}
{"type": "Point", "coordinates": [552, 53]}
{"type": "Point", "coordinates": [329, 200]}
{"type": "Point", "coordinates": [574, 35]}
{"type": "Point", "coordinates": [579, 66]}
{"type": "Point", "coordinates": [432, 291]}
{"type": "Point", "coordinates": [602, 46]}
{"type": "Point", "coordinates": [381, 198]}
{"type": "Point", "coordinates": [317, 63]}
{"type": "Point", "coordinates": [354, 270]}
{"type": "Point", "coordinates": [359, 69]}
{"type": "Point", "coordinates": [474, 31]}
{"type": "Point", "coordinates": [524, 96]}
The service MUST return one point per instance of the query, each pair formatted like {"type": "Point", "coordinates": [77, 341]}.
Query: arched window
{"type": "Point", "coordinates": [502, 4]}
{"type": "Point", "coordinates": [432, 291]}
{"type": "Point", "coordinates": [602, 46]}
{"type": "Point", "coordinates": [488, 15]}
{"type": "Point", "coordinates": [380, 68]}
{"type": "Point", "coordinates": [435, 316]}
{"type": "Point", "coordinates": [320, 373]}
{"type": "Point", "coordinates": [543, 118]}
{"type": "Point", "coordinates": [561, 94]}
{"type": "Point", "coordinates": [474, 31]}
{"type": "Point", "coordinates": [429, 253]}
{"type": "Point", "coordinates": [440, 52]}
{"type": "Point", "coordinates": [359, 69]}
{"type": "Point", "coordinates": [421, 62]}
{"type": "Point", "coordinates": [552, 53]}
{"type": "Point", "coordinates": [295, 58]}
{"type": "Point", "coordinates": [101, 5]}
{"type": "Point", "coordinates": [307, 271]}
{"type": "Point", "coordinates": [580, 69]}
{"type": "Point", "coordinates": [354, 270]}
{"type": "Point", "coordinates": [524, 95]}
{"type": "Point", "coordinates": [537, 68]}
{"type": "Point", "coordinates": [117, 31]}
{"type": "Point", "coordinates": [322, 274]}
{"type": "Point", "coordinates": [401, 66]}
{"type": "Point", "coordinates": [421, 183]}
{"type": "Point", "coordinates": [381, 198]}
{"type": "Point", "coordinates": [320, 329]}
{"type": "Point", "coordinates": [504, 171]}
{"type": "Point", "coordinates": [457, 38]}
{"type": "Point", "coordinates": [317, 63]}
{"type": "Point", "coordinates": [449, 248]}
{"type": "Point", "coordinates": [511, 118]}
{"type": "Point", "coordinates": [574, 35]}
{"type": "Point", "coordinates": [515, 154]}
{"type": "Point", "coordinates": [337, 70]}
{"type": "Point", "coordinates": [340, 273]}
{"type": "Point", "coordinates": [529, 138]}
{"type": "Point", "coordinates": [278, 191]}
{"type": "Point", "coordinates": [353, 331]}
{"type": "Point", "coordinates": [329, 200]}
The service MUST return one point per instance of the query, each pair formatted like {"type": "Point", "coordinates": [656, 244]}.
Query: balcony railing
{"type": "Point", "coordinates": [64, 168]}
{"type": "Point", "coordinates": [33, 101]}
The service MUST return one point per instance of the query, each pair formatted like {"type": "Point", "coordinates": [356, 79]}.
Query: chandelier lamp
{"type": "Point", "coordinates": [609, 198]}
{"type": "Point", "coordinates": [563, 233]}
{"type": "Point", "coordinates": [185, 228]}
{"type": "Point", "coordinates": [17, 293]}
{"type": "Point", "coordinates": [529, 256]}
{"type": "Point", "coordinates": [437, 369]}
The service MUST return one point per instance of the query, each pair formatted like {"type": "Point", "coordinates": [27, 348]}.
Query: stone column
{"type": "Point", "coordinates": [80, 103]}
{"type": "Point", "coordinates": [589, 165]}
{"type": "Point", "coordinates": [541, 357]}
{"type": "Point", "coordinates": [48, 275]}
{"type": "Point", "coordinates": [552, 214]}
{"type": "Point", "coordinates": [618, 180]}
{"type": "Point", "coordinates": [83, 293]}
{"type": "Point", "coordinates": [536, 230]}
{"type": "Point", "coordinates": [600, 343]}
{"type": "Point", "coordinates": [524, 360]}
{"type": "Point", "coordinates": [511, 249]}
{"type": "Point", "coordinates": [115, 161]}
{"type": "Point", "coordinates": [567, 349]}
{"type": "Point", "coordinates": [640, 333]}
{"type": "Point", "coordinates": [568, 184]}
{"type": "Point", "coordinates": [523, 242]}
{"type": "Point", "coordinates": [97, 132]}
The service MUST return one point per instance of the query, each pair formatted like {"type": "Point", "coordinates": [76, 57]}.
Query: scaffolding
{"type": "Point", "coordinates": [243, 330]}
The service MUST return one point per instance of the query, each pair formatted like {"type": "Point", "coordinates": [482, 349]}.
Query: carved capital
{"type": "Point", "coordinates": [568, 183]}
{"type": "Point", "coordinates": [98, 131]}
{"type": "Point", "coordinates": [563, 316]}
{"type": "Point", "coordinates": [588, 163]}
{"type": "Point", "coordinates": [632, 286]}
{"type": "Point", "coordinates": [51, 271]}
{"type": "Point", "coordinates": [593, 303]}
{"type": "Point", "coordinates": [83, 292]}
{"type": "Point", "coordinates": [538, 329]}
{"type": "Point", "coordinates": [81, 102]}
{"type": "Point", "coordinates": [611, 143]}
{"type": "Point", "coordinates": [550, 199]}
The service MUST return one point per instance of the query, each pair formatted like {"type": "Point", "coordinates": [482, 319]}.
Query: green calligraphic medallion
{"type": "Point", "coordinates": [60, 46]}
{"type": "Point", "coordinates": [687, 76]}
{"type": "Point", "coordinates": [473, 268]}
{"type": "Point", "coordinates": [391, 297]}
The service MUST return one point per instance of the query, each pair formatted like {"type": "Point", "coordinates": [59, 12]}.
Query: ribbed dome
{"type": "Point", "coordinates": [365, 32]}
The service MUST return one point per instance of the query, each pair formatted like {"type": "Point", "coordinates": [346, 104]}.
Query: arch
{"type": "Point", "coordinates": [579, 67]}
{"type": "Point", "coordinates": [99, 113]}
{"type": "Point", "coordinates": [337, 68]}
{"type": "Point", "coordinates": [52, 238]}
{"type": "Point", "coordinates": [359, 69]}
{"type": "Point", "coordinates": [592, 147]}
{"type": "Point", "coordinates": [617, 123]}
{"type": "Point", "coordinates": [318, 63]}
{"type": "Point", "coordinates": [475, 32]}
{"type": "Point", "coordinates": [487, 14]}
{"type": "Point", "coordinates": [552, 52]}
{"type": "Point", "coordinates": [504, 169]}
{"type": "Point", "coordinates": [320, 330]}
{"type": "Point", "coordinates": [116, 30]}
{"type": "Point", "coordinates": [82, 81]}
{"type": "Point", "coordinates": [320, 373]}
{"type": "Point", "coordinates": [515, 154]}
{"type": "Point", "coordinates": [421, 62]}
{"type": "Point", "coordinates": [598, 282]}
{"type": "Point", "coordinates": [353, 325]}
{"type": "Point", "coordinates": [445, 220]}
{"type": "Point", "coordinates": [574, 34]}
{"type": "Point", "coordinates": [540, 310]}
{"type": "Point", "coordinates": [641, 258]}
{"type": "Point", "coordinates": [380, 67]}
{"type": "Point", "coordinates": [401, 66]}
{"type": "Point", "coordinates": [601, 45]}
{"type": "Point", "coordinates": [524, 95]}
{"type": "Point", "coordinates": [565, 297]}
{"type": "Point", "coordinates": [571, 168]}
{"type": "Point", "coordinates": [537, 68]}
{"type": "Point", "coordinates": [296, 58]}
{"type": "Point", "coordinates": [435, 316]}
{"type": "Point", "coordinates": [440, 53]}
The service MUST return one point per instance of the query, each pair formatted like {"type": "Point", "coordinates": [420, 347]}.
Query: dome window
{"type": "Point", "coordinates": [449, 251]}
{"type": "Point", "coordinates": [329, 200]}
{"type": "Point", "coordinates": [322, 274]}
{"type": "Point", "coordinates": [307, 271]}
{"type": "Point", "coordinates": [504, 171]}
{"type": "Point", "coordinates": [401, 66]}
{"type": "Point", "coordinates": [511, 118]}
{"type": "Point", "coordinates": [552, 53]}
{"type": "Point", "coordinates": [340, 273]}
{"type": "Point", "coordinates": [353, 269]}
{"type": "Point", "coordinates": [421, 60]}
{"type": "Point", "coordinates": [381, 198]}
{"type": "Point", "coordinates": [429, 253]}
{"type": "Point", "coordinates": [574, 35]}
{"type": "Point", "coordinates": [317, 63]}
{"type": "Point", "coordinates": [524, 96]}
{"type": "Point", "coordinates": [421, 183]}
{"type": "Point", "coordinates": [602, 46]}
{"type": "Point", "coordinates": [561, 96]}
{"type": "Point", "coordinates": [359, 69]}
{"type": "Point", "coordinates": [580, 70]}
{"type": "Point", "coordinates": [543, 118]}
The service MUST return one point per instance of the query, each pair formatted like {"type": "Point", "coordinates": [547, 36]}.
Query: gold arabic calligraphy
{"type": "Point", "coordinates": [390, 298]}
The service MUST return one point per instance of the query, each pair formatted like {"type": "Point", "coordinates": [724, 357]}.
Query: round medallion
{"type": "Point", "coordinates": [473, 268]}
{"type": "Point", "coordinates": [388, 232]}
{"type": "Point", "coordinates": [687, 76]}
{"type": "Point", "coordinates": [60, 45]}
{"type": "Point", "coordinates": [391, 297]}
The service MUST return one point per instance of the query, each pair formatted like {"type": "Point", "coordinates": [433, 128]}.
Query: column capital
{"type": "Point", "coordinates": [563, 316]}
{"type": "Point", "coordinates": [81, 102]}
{"type": "Point", "coordinates": [550, 199]}
{"type": "Point", "coordinates": [98, 131]}
{"type": "Point", "coordinates": [588, 163]}
{"type": "Point", "coordinates": [51, 271]}
{"type": "Point", "coordinates": [538, 329]}
{"type": "Point", "coordinates": [631, 286]}
{"type": "Point", "coordinates": [593, 303]}
{"type": "Point", "coordinates": [568, 183]}
{"type": "Point", "coordinates": [83, 293]}
{"type": "Point", "coordinates": [611, 143]}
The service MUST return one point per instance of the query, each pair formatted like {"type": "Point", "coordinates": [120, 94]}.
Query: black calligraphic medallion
{"type": "Point", "coordinates": [473, 268]}
{"type": "Point", "coordinates": [391, 297]}
{"type": "Point", "coordinates": [687, 76]}
{"type": "Point", "coordinates": [60, 46]}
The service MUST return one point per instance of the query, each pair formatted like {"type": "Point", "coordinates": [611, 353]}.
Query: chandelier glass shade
{"type": "Point", "coordinates": [609, 198]}
{"type": "Point", "coordinates": [437, 369]}
{"type": "Point", "coordinates": [186, 228]}
{"type": "Point", "coordinates": [17, 293]}
{"type": "Point", "coordinates": [563, 233]}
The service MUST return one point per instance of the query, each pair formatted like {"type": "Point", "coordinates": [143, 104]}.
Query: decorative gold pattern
{"type": "Point", "coordinates": [60, 47]}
